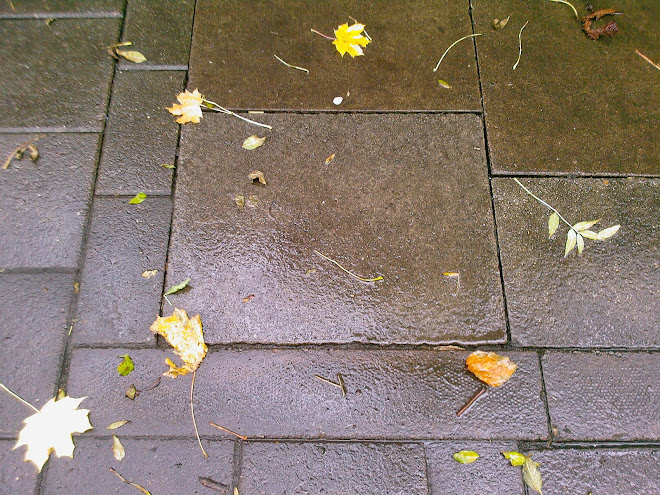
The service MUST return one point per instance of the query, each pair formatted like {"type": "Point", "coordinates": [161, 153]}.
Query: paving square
{"type": "Point", "coordinates": [54, 7]}
{"type": "Point", "coordinates": [233, 55]}
{"type": "Point", "coordinates": [406, 198]}
{"type": "Point", "coordinates": [16, 476]}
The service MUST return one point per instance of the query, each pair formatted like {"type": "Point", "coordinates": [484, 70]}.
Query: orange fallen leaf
{"type": "Point", "coordinates": [190, 107]}
{"type": "Point", "coordinates": [491, 368]}
{"type": "Point", "coordinates": [186, 336]}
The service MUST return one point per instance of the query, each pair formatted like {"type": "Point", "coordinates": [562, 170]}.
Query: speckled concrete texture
{"type": "Point", "coordinates": [16, 476]}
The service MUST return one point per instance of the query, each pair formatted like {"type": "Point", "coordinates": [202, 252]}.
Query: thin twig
{"type": "Point", "coordinates": [471, 401]}
{"type": "Point", "coordinates": [213, 485]}
{"type": "Point", "coordinates": [543, 203]}
{"type": "Point", "coordinates": [647, 59]}
{"type": "Point", "coordinates": [519, 45]}
{"type": "Point", "coordinates": [321, 34]}
{"type": "Point", "coordinates": [229, 112]}
{"type": "Point", "coordinates": [451, 46]}
{"type": "Point", "coordinates": [569, 4]}
{"type": "Point", "coordinates": [242, 437]}
{"type": "Point", "coordinates": [340, 379]}
{"type": "Point", "coordinates": [192, 413]}
{"type": "Point", "coordinates": [330, 382]}
{"type": "Point", "coordinates": [143, 490]}
{"type": "Point", "coordinates": [17, 397]}
{"type": "Point", "coordinates": [348, 271]}
{"type": "Point", "coordinates": [289, 65]}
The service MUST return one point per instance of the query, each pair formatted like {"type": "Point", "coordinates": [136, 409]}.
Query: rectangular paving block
{"type": "Point", "coordinates": [234, 46]}
{"type": "Point", "coordinates": [573, 105]}
{"type": "Point", "coordinates": [141, 135]}
{"type": "Point", "coordinates": [43, 204]}
{"type": "Point", "coordinates": [599, 471]}
{"type": "Point", "coordinates": [16, 476]}
{"type": "Point", "coordinates": [295, 468]}
{"type": "Point", "coordinates": [275, 394]}
{"type": "Point", "coordinates": [491, 473]}
{"type": "Point", "coordinates": [54, 75]}
{"type": "Point", "coordinates": [117, 304]}
{"type": "Point", "coordinates": [35, 313]}
{"type": "Point", "coordinates": [603, 396]}
{"type": "Point", "coordinates": [600, 298]}
{"type": "Point", "coordinates": [406, 198]}
{"type": "Point", "coordinates": [158, 465]}
{"type": "Point", "coordinates": [161, 31]}
{"type": "Point", "coordinates": [10, 8]}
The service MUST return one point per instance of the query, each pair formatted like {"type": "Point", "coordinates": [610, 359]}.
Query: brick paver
{"type": "Point", "coordinates": [16, 476]}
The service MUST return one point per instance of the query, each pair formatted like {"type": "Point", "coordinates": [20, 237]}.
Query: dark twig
{"type": "Point", "coordinates": [340, 379]}
{"type": "Point", "coordinates": [471, 401]}
{"type": "Point", "coordinates": [143, 490]}
{"type": "Point", "coordinates": [242, 437]}
{"type": "Point", "coordinates": [213, 485]}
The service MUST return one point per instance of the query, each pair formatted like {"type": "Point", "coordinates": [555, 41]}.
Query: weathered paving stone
{"type": "Point", "coordinates": [35, 311]}
{"type": "Point", "coordinates": [232, 55]}
{"type": "Point", "coordinates": [43, 204]}
{"type": "Point", "coordinates": [16, 476]}
{"type": "Point", "coordinates": [406, 197]}
{"type": "Point", "coordinates": [161, 31]}
{"type": "Point", "coordinates": [117, 304]}
{"type": "Point", "coordinates": [573, 105]}
{"type": "Point", "coordinates": [603, 396]}
{"type": "Point", "coordinates": [141, 135]}
{"type": "Point", "coordinates": [599, 471]}
{"type": "Point", "coordinates": [600, 298]}
{"type": "Point", "coordinates": [158, 465]}
{"type": "Point", "coordinates": [82, 7]}
{"type": "Point", "coordinates": [491, 473]}
{"type": "Point", "coordinates": [293, 468]}
{"type": "Point", "coordinates": [275, 394]}
{"type": "Point", "coordinates": [54, 75]}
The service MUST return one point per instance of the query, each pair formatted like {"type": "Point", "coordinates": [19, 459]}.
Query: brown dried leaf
{"type": "Point", "coordinates": [186, 336]}
{"type": "Point", "coordinates": [149, 273]}
{"type": "Point", "coordinates": [500, 23]}
{"type": "Point", "coordinates": [491, 368]}
{"type": "Point", "coordinates": [257, 175]}
{"type": "Point", "coordinates": [240, 201]}
{"type": "Point", "coordinates": [609, 29]}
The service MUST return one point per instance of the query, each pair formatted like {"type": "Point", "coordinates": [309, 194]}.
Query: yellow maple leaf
{"type": "Point", "coordinates": [349, 39]}
{"type": "Point", "coordinates": [189, 108]}
{"type": "Point", "coordinates": [186, 336]}
{"type": "Point", "coordinates": [50, 429]}
{"type": "Point", "coordinates": [491, 368]}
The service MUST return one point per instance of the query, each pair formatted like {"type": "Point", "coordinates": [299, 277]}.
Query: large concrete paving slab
{"type": "Point", "coordinates": [54, 75]}
{"type": "Point", "coordinates": [158, 465]}
{"type": "Point", "coordinates": [406, 198]}
{"type": "Point", "coordinates": [117, 304]}
{"type": "Point", "coordinates": [234, 43]}
{"type": "Point", "coordinates": [141, 135]}
{"type": "Point", "coordinates": [573, 105]}
{"type": "Point", "coordinates": [15, 8]}
{"type": "Point", "coordinates": [603, 396]}
{"type": "Point", "coordinates": [601, 298]}
{"type": "Point", "coordinates": [600, 471]}
{"type": "Point", "coordinates": [491, 473]}
{"type": "Point", "coordinates": [44, 204]}
{"type": "Point", "coordinates": [16, 476]}
{"type": "Point", "coordinates": [35, 313]}
{"type": "Point", "coordinates": [275, 394]}
{"type": "Point", "coordinates": [290, 468]}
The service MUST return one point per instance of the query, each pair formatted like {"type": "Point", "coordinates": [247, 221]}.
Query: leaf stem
{"type": "Point", "coordinates": [451, 46]}
{"type": "Point", "coordinates": [348, 271]}
{"type": "Point", "coordinates": [192, 413]}
{"type": "Point", "coordinates": [222, 109]}
{"type": "Point", "coordinates": [647, 59]}
{"type": "Point", "coordinates": [543, 203]}
{"type": "Point", "coordinates": [17, 397]}
{"type": "Point", "coordinates": [289, 65]}
{"type": "Point", "coordinates": [324, 35]}
{"type": "Point", "coordinates": [569, 4]}
{"type": "Point", "coordinates": [520, 45]}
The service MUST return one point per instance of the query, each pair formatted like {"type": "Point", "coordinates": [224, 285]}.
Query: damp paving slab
{"type": "Point", "coordinates": [54, 76]}
{"type": "Point", "coordinates": [573, 105]}
{"type": "Point", "coordinates": [232, 59]}
{"type": "Point", "coordinates": [390, 395]}
{"type": "Point", "coordinates": [15, 8]}
{"type": "Point", "coordinates": [406, 198]}
{"type": "Point", "coordinates": [16, 476]}
{"type": "Point", "coordinates": [600, 298]}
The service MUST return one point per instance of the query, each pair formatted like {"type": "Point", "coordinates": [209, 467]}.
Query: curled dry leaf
{"type": "Point", "coordinates": [516, 458]}
{"type": "Point", "coordinates": [240, 201]}
{"type": "Point", "coordinates": [466, 456]}
{"type": "Point", "coordinates": [500, 23]}
{"type": "Point", "coordinates": [491, 368]}
{"type": "Point", "coordinates": [258, 176]}
{"type": "Point", "coordinates": [131, 56]}
{"type": "Point", "coordinates": [186, 336]}
{"type": "Point", "coordinates": [609, 29]}
{"type": "Point", "coordinates": [117, 448]}
{"type": "Point", "coordinates": [253, 142]}
{"type": "Point", "coordinates": [349, 39]}
{"type": "Point", "coordinates": [149, 273]}
{"type": "Point", "coordinates": [190, 107]}
{"type": "Point", "coordinates": [132, 392]}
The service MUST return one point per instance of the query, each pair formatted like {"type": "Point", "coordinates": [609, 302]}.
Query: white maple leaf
{"type": "Point", "coordinates": [50, 429]}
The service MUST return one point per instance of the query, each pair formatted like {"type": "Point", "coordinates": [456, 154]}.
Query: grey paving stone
{"type": "Point", "coordinates": [406, 197]}
{"type": "Point", "coordinates": [274, 394]}
{"type": "Point", "coordinates": [82, 7]}
{"type": "Point", "coordinates": [117, 304]}
{"type": "Point", "coordinates": [573, 105]}
{"type": "Point", "coordinates": [491, 473]}
{"type": "Point", "coordinates": [158, 465]}
{"type": "Point", "coordinates": [161, 31]}
{"type": "Point", "coordinates": [232, 57]}
{"type": "Point", "coordinates": [16, 476]}
{"type": "Point", "coordinates": [295, 468]}
{"type": "Point", "coordinates": [599, 471]}
{"type": "Point", "coordinates": [43, 204]}
{"type": "Point", "coordinates": [141, 135]}
{"type": "Point", "coordinates": [603, 396]}
{"type": "Point", "coordinates": [35, 312]}
{"type": "Point", "coordinates": [54, 75]}
{"type": "Point", "coordinates": [598, 299]}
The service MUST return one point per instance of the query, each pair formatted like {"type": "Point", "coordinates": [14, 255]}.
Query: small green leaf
{"type": "Point", "coordinates": [571, 240]}
{"type": "Point", "coordinates": [589, 234]}
{"type": "Point", "coordinates": [532, 475]}
{"type": "Point", "coordinates": [139, 197]}
{"type": "Point", "coordinates": [126, 366]}
{"type": "Point", "coordinates": [167, 165]}
{"type": "Point", "coordinates": [118, 424]}
{"type": "Point", "coordinates": [177, 287]}
{"type": "Point", "coordinates": [253, 142]}
{"type": "Point", "coordinates": [444, 84]}
{"type": "Point", "coordinates": [132, 392]}
{"type": "Point", "coordinates": [466, 456]}
{"type": "Point", "coordinates": [580, 243]}
{"type": "Point", "coordinates": [131, 56]}
{"type": "Point", "coordinates": [516, 458]}
{"type": "Point", "coordinates": [553, 224]}
{"type": "Point", "coordinates": [585, 225]}
{"type": "Point", "coordinates": [608, 232]}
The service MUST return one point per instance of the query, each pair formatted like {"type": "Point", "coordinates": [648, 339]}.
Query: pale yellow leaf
{"type": "Point", "coordinates": [608, 232]}
{"type": "Point", "coordinates": [585, 225]}
{"type": "Point", "coordinates": [553, 224]}
{"type": "Point", "coordinates": [329, 159]}
{"type": "Point", "coordinates": [190, 108]}
{"type": "Point", "coordinates": [257, 175]}
{"type": "Point", "coordinates": [186, 336]}
{"type": "Point", "coordinates": [500, 23]}
{"type": "Point", "coordinates": [532, 475]}
{"type": "Point", "coordinates": [589, 234]}
{"type": "Point", "coordinates": [118, 424]}
{"type": "Point", "coordinates": [131, 56]}
{"type": "Point", "coordinates": [253, 142]}
{"type": "Point", "coordinates": [350, 39]}
{"type": "Point", "coordinates": [149, 273]}
{"type": "Point", "coordinates": [240, 200]}
{"type": "Point", "coordinates": [117, 448]}
{"type": "Point", "coordinates": [571, 240]}
{"type": "Point", "coordinates": [491, 368]}
{"type": "Point", "coordinates": [444, 84]}
{"type": "Point", "coordinates": [580, 243]}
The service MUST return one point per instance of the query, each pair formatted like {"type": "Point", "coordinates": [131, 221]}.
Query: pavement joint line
{"type": "Point", "coordinates": [559, 175]}
{"type": "Point", "coordinates": [162, 68]}
{"type": "Point", "coordinates": [427, 469]}
{"type": "Point", "coordinates": [19, 270]}
{"type": "Point", "coordinates": [544, 398]}
{"type": "Point", "coordinates": [130, 196]}
{"type": "Point", "coordinates": [237, 464]}
{"type": "Point", "coordinates": [590, 445]}
{"type": "Point", "coordinates": [51, 130]}
{"type": "Point", "coordinates": [355, 111]}
{"type": "Point", "coordinates": [36, 16]}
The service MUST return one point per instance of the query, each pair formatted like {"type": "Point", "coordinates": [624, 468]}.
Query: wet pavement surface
{"type": "Point", "coordinates": [421, 192]}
